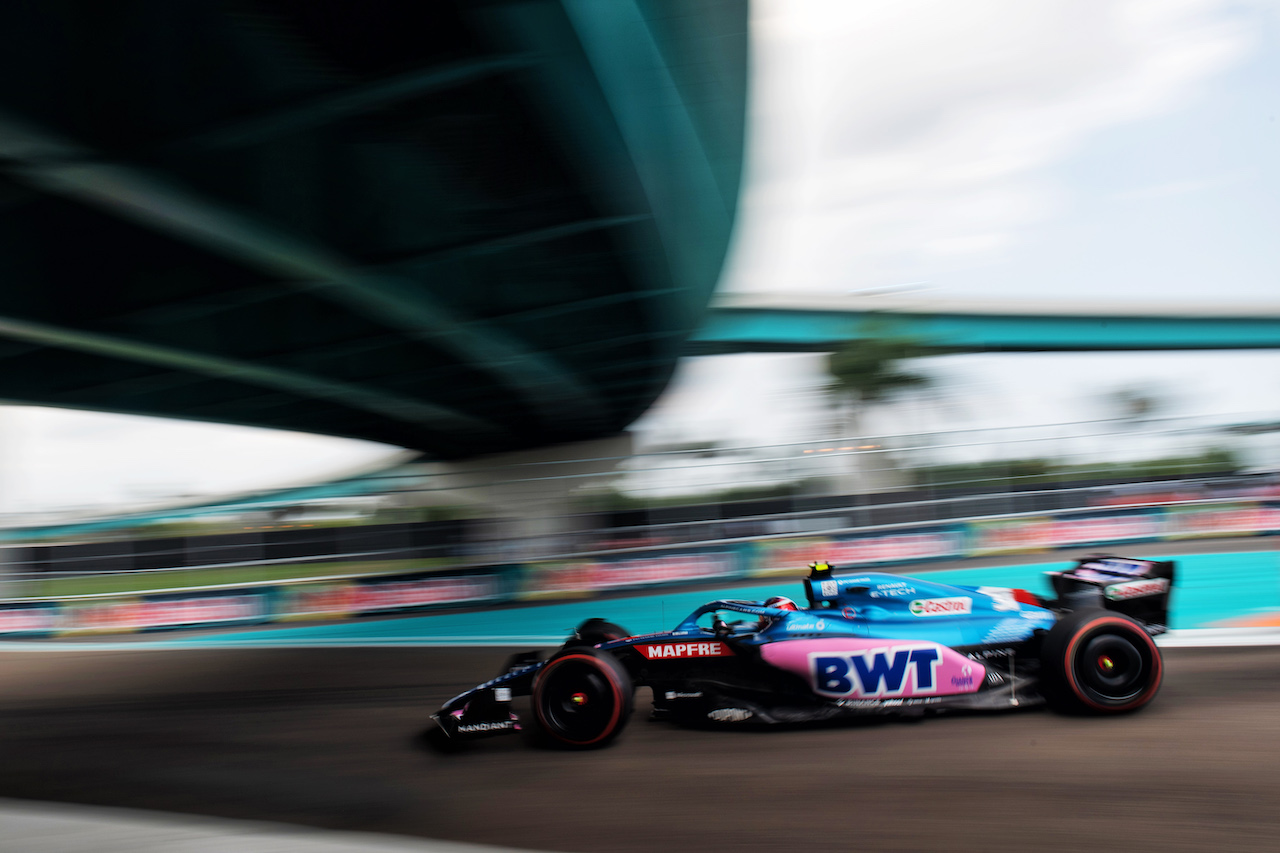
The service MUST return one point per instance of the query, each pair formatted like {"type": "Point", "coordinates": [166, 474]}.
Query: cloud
{"type": "Point", "coordinates": [1172, 189]}
{"type": "Point", "coordinates": [893, 140]}
{"type": "Point", "coordinates": [969, 244]}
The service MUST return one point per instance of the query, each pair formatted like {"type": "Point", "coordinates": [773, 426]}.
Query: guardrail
{"type": "Point", "coordinates": [575, 576]}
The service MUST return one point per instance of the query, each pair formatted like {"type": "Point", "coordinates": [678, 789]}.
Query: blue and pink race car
{"type": "Point", "coordinates": [864, 643]}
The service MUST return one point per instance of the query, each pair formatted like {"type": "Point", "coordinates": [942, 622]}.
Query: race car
{"type": "Point", "coordinates": [866, 643]}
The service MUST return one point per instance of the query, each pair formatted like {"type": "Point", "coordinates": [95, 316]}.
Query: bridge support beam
{"type": "Point", "coordinates": [533, 496]}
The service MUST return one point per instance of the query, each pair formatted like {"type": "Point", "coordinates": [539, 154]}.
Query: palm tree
{"type": "Point", "coordinates": [868, 371]}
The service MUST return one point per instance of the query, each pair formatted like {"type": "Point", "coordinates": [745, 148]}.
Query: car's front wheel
{"type": "Point", "coordinates": [596, 631]}
{"type": "Point", "coordinates": [1096, 661]}
{"type": "Point", "coordinates": [582, 698]}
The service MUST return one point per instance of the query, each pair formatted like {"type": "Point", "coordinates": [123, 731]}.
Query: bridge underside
{"type": "Point", "coordinates": [805, 323]}
{"type": "Point", "coordinates": [463, 227]}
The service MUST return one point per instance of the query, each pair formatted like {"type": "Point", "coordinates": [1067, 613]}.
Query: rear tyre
{"type": "Point", "coordinates": [1099, 662]}
{"type": "Point", "coordinates": [596, 631]}
{"type": "Point", "coordinates": [582, 698]}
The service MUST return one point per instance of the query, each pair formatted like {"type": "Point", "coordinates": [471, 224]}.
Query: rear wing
{"type": "Point", "coordinates": [1137, 588]}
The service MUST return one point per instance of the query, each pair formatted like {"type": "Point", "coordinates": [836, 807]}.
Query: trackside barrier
{"type": "Point", "coordinates": [340, 598]}
{"type": "Point", "coordinates": [561, 578]}
{"type": "Point", "coordinates": [255, 605]}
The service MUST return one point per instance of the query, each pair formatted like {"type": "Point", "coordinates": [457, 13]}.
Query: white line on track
{"type": "Point", "coordinates": [1201, 638]}
{"type": "Point", "coordinates": [35, 827]}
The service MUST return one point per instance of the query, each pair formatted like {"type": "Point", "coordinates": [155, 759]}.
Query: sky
{"type": "Point", "coordinates": [1004, 149]}
{"type": "Point", "coordinates": [60, 461]}
{"type": "Point", "coordinates": [1126, 150]}
{"type": "Point", "coordinates": [1100, 152]}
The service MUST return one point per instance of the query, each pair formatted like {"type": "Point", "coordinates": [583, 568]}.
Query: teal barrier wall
{"type": "Point", "coordinates": [675, 567]}
{"type": "Point", "coordinates": [1210, 589]}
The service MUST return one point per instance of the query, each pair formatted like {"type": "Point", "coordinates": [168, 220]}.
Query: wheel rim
{"type": "Point", "coordinates": [1111, 669]}
{"type": "Point", "coordinates": [578, 701]}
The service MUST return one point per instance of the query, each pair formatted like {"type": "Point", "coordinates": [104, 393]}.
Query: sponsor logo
{"type": "Point", "coordinates": [1001, 598]}
{"type": "Point", "coordinates": [662, 651]}
{"type": "Point", "coordinates": [893, 590]}
{"type": "Point", "coordinates": [876, 673]}
{"type": "Point", "coordinates": [1214, 521]}
{"type": "Point", "coordinates": [1119, 566]}
{"type": "Point", "coordinates": [964, 679]}
{"type": "Point", "coordinates": [1036, 533]}
{"type": "Point", "coordinates": [487, 727]}
{"type": "Point", "coordinates": [333, 599]}
{"type": "Point", "coordinates": [1091, 575]}
{"type": "Point", "coordinates": [328, 599]}
{"type": "Point", "coordinates": [196, 610]}
{"type": "Point", "coordinates": [32, 619]}
{"type": "Point", "coordinates": [941, 606]}
{"type": "Point", "coordinates": [988, 654]}
{"type": "Point", "coordinates": [163, 613]}
{"type": "Point", "coordinates": [1137, 589]}
{"type": "Point", "coordinates": [849, 613]}
{"type": "Point", "coordinates": [674, 694]}
{"type": "Point", "coordinates": [572, 576]}
{"type": "Point", "coordinates": [730, 715]}
{"type": "Point", "coordinates": [419, 593]}
{"type": "Point", "coordinates": [876, 704]}
{"type": "Point", "coordinates": [830, 588]}
{"type": "Point", "coordinates": [502, 694]}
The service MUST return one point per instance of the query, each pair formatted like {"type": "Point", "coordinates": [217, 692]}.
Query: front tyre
{"type": "Point", "coordinates": [1096, 661]}
{"type": "Point", "coordinates": [582, 698]}
{"type": "Point", "coordinates": [595, 631]}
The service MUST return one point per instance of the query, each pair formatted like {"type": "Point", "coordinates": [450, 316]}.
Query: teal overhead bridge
{"type": "Point", "coordinates": [751, 322]}
{"type": "Point", "coordinates": [464, 227]}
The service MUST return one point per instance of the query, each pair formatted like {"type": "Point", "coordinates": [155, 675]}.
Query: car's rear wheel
{"type": "Point", "coordinates": [1096, 661]}
{"type": "Point", "coordinates": [582, 698]}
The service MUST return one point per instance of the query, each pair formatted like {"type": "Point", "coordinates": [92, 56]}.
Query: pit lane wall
{"type": "Point", "coordinates": [366, 596]}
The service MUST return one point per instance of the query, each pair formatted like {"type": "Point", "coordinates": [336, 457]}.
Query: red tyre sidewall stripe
{"type": "Point", "coordinates": [1156, 663]}
{"type": "Point", "coordinates": [610, 676]}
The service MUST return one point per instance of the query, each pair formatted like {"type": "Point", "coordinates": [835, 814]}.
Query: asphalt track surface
{"type": "Point", "coordinates": [330, 738]}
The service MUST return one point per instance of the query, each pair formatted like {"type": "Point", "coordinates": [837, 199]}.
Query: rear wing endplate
{"type": "Point", "coordinates": [1137, 588]}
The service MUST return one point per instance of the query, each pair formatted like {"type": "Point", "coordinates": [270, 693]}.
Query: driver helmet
{"type": "Point", "coordinates": [781, 602]}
